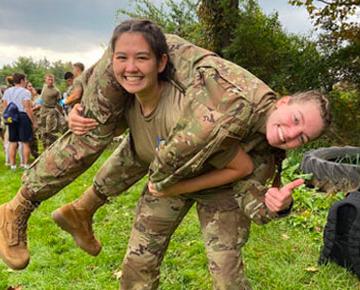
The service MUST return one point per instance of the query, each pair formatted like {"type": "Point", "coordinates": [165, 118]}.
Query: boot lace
{"type": "Point", "coordinates": [20, 224]}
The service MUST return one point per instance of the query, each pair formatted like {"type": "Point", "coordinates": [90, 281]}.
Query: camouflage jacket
{"type": "Point", "coordinates": [223, 100]}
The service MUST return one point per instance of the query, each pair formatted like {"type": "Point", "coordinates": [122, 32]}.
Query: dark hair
{"type": "Point", "coordinates": [17, 78]}
{"type": "Point", "coordinates": [320, 99]}
{"type": "Point", "coordinates": [154, 37]}
{"type": "Point", "coordinates": [68, 75]}
{"type": "Point", "coordinates": [79, 65]}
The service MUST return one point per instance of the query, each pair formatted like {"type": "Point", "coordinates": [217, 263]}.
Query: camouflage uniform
{"type": "Point", "coordinates": [69, 91]}
{"type": "Point", "coordinates": [104, 100]}
{"type": "Point", "coordinates": [225, 227]}
{"type": "Point", "coordinates": [157, 218]}
{"type": "Point", "coordinates": [51, 120]}
{"type": "Point", "coordinates": [70, 99]}
{"type": "Point", "coordinates": [223, 100]}
{"type": "Point", "coordinates": [34, 148]}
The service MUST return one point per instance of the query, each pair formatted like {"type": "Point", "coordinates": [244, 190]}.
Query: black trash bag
{"type": "Point", "coordinates": [342, 234]}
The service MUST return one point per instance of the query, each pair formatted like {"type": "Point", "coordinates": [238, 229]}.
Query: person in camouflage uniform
{"type": "Point", "coordinates": [51, 120]}
{"type": "Point", "coordinates": [104, 100]}
{"type": "Point", "coordinates": [34, 144]}
{"type": "Point", "coordinates": [69, 80]}
{"type": "Point", "coordinates": [157, 218]}
{"type": "Point", "coordinates": [73, 93]}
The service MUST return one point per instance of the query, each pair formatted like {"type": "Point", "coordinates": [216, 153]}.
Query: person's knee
{"type": "Point", "coordinates": [140, 269]}
{"type": "Point", "coordinates": [147, 245]}
{"type": "Point", "coordinates": [227, 270]}
{"type": "Point", "coordinates": [26, 145]}
{"type": "Point", "coordinates": [13, 146]}
{"type": "Point", "coordinates": [26, 150]}
{"type": "Point", "coordinates": [142, 260]}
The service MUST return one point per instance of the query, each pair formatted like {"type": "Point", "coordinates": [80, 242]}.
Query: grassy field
{"type": "Point", "coordinates": [280, 255]}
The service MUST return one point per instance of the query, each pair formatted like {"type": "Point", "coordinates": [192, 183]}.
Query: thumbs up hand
{"type": "Point", "coordinates": [278, 199]}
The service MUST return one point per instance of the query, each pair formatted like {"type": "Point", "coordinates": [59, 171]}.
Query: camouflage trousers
{"type": "Point", "coordinates": [224, 228]}
{"type": "Point", "coordinates": [60, 164]}
{"type": "Point", "coordinates": [120, 171]}
{"type": "Point", "coordinates": [71, 155]}
{"type": "Point", "coordinates": [51, 123]}
{"type": "Point", "coordinates": [34, 145]}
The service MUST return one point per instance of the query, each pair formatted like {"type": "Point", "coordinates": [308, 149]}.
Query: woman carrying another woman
{"type": "Point", "coordinates": [128, 81]}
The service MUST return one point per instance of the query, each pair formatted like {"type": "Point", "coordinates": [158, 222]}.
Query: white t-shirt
{"type": "Point", "coordinates": [17, 95]}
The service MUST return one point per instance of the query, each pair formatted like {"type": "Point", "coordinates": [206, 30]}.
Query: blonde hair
{"type": "Point", "coordinates": [320, 99]}
{"type": "Point", "coordinates": [49, 75]}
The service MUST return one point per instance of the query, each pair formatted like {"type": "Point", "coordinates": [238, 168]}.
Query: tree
{"type": "Point", "coordinates": [340, 40]}
{"type": "Point", "coordinates": [257, 42]}
{"type": "Point", "coordinates": [340, 43]}
{"type": "Point", "coordinates": [25, 65]}
{"type": "Point", "coordinates": [218, 20]}
{"type": "Point", "coordinates": [173, 16]}
{"type": "Point", "coordinates": [7, 70]}
{"type": "Point", "coordinates": [286, 62]}
{"type": "Point", "coordinates": [35, 71]}
{"type": "Point", "coordinates": [334, 17]}
{"type": "Point", "coordinates": [58, 69]}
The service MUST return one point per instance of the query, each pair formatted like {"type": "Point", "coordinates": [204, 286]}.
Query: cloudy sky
{"type": "Point", "coordinates": [78, 30]}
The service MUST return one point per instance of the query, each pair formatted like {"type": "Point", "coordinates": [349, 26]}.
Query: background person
{"type": "Point", "coordinates": [34, 148]}
{"type": "Point", "coordinates": [73, 93]}
{"type": "Point", "coordinates": [78, 69]}
{"type": "Point", "coordinates": [69, 79]}
{"type": "Point", "coordinates": [20, 131]}
{"type": "Point", "coordinates": [9, 83]}
{"type": "Point", "coordinates": [2, 125]}
{"type": "Point", "coordinates": [51, 120]}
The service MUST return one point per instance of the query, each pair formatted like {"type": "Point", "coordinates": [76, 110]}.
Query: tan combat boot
{"type": "Point", "coordinates": [76, 219]}
{"type": "Point", "coordinates": [13, 224]}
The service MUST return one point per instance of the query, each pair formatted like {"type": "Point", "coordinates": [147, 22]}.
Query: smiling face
{"type": "Point", "coordinates": [135, 65]}
{"type": "Point", "coordinates": [293, 124]}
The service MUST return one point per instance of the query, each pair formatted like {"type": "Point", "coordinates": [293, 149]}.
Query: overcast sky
{"type": "Point", "coordinates": [78, 30]}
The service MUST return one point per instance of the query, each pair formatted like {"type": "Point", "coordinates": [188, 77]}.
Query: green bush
{"type": "Point", "coordinates": [346, 118]}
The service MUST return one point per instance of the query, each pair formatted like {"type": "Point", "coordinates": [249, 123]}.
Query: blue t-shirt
{"type": "Point", "coordinates": [17, 95]}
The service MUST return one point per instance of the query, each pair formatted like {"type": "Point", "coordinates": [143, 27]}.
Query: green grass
{"type": "Point", "coordinates": [280, 255]}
